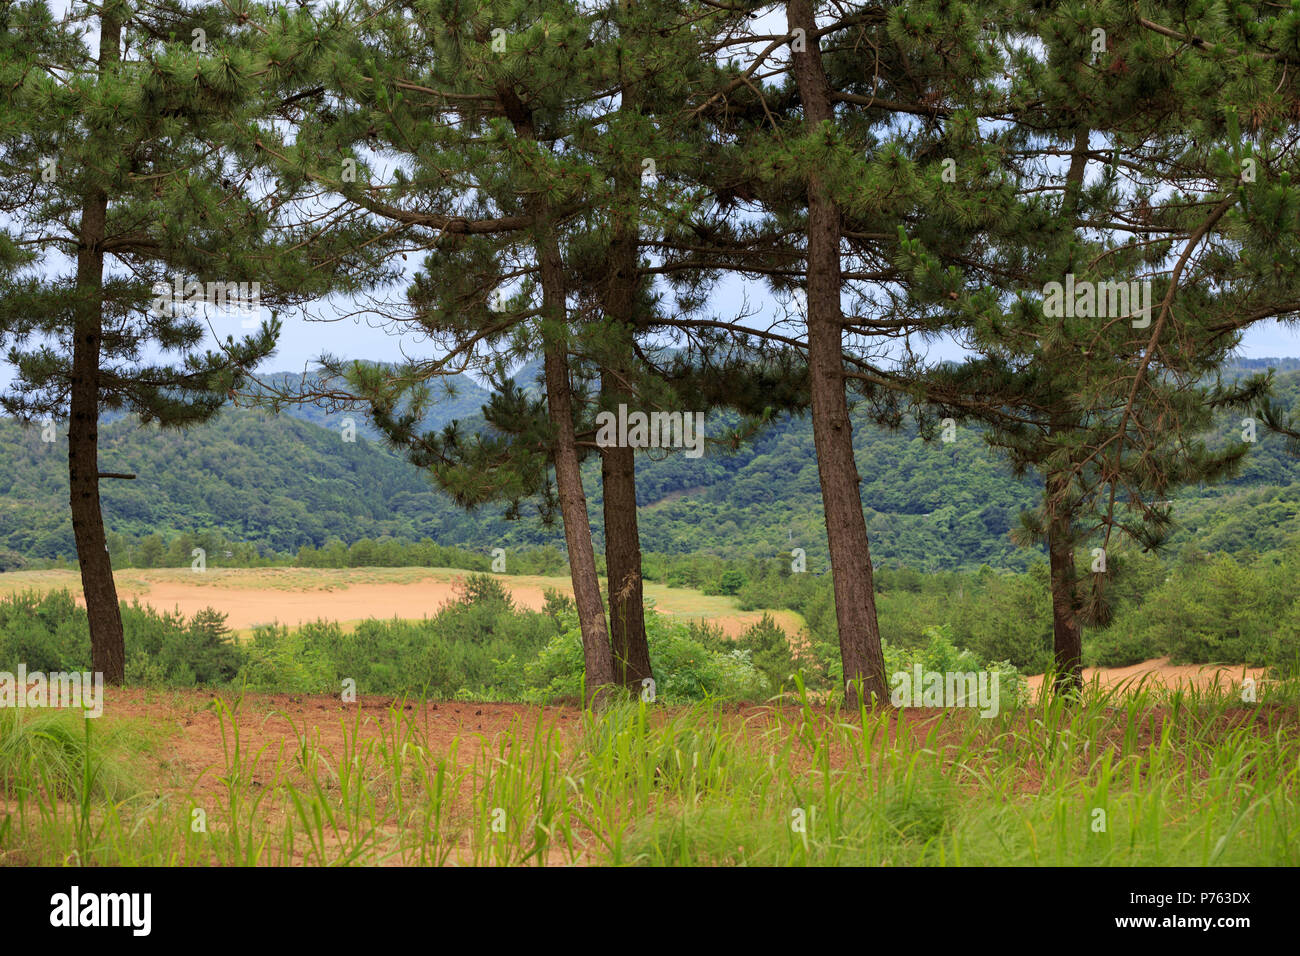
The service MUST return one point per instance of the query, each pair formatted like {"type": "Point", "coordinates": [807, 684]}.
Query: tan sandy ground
{"type": "Point", "coordinates": [292, 596]}
{"type": "Point", "coordinates": [248, 607]}
{"type": "Point", "coordinates": [1159, 672]}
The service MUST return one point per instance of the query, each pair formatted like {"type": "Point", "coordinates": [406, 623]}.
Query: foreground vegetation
{"type": "Point", "coordinates": [1145, 778]}
{"type": "Point", "coordinates": [479, 646]}
{"type": "Point", "coordinates": [1205, 609]}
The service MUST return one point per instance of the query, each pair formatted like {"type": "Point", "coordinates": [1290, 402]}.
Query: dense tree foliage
{"type": "Point", "coordinates": [897, 171]}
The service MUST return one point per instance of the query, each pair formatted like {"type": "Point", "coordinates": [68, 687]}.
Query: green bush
{"type": "Point", "coordinates": [694, 666]}
{"type": "Point", "coordinates": [164, 649]}
{"type": "Point", "coordinates": [293, 662]}
{"type": "Point", "coordinates": [1222, 610]}
{"type": "Point", "coordinates": [1119, 645]}
{"type": "Point", "coordinates": [50, 632]}
{"type": "Point", "coordinates": [729, 582]}
{"type": "Point", "coordinates": [769, 648]}
{"type": "Point", "coordinates": [941, 655]}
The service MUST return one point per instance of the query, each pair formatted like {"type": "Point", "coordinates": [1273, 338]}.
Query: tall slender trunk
{"type": "Point", "coordinates": [597, 662]}
{"type": "Point", "coordinates": [107, 642]}
{"type": "Point", "coordinates": [1067, 632]}
{"type": "Point", "coordinates": [1067, 629]}
{"type": "Point", "coordinates": [846, 527]}
{"type": "Point", "coordinates": [631, 648]}
{"type": "Point", "coordinates": [597, 659]}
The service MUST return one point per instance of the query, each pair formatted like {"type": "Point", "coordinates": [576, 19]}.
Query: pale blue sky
{"type": "Point", "coordinates": [302, 340]}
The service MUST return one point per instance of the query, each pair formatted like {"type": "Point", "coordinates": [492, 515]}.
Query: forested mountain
{"type": "Point", "coordinates": [283, 481]}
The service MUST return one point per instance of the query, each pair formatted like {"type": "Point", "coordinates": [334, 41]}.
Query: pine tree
{"type": "Point", "coordinates": [472, 110]}
{"type": "Point", "coordinates": [617, 113]}
{"type": "Point", "coordinates": [829, 159]}
{"type": "Point", "coordinates": [1107, 404]}
{"type": "Point", "coordinates": [132, 154]}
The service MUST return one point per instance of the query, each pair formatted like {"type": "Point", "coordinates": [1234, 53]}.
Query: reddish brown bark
{"type": "Point", "coordinates": [629, 645]}
{"type": "Point", "coordinates": [107, 642]}
{"type": "Point", "coordinates": [598, 663]}
{"type": "Point", "coordinates": [1067, 631]}
{"type": "Point", "coordinates": [846, 528]}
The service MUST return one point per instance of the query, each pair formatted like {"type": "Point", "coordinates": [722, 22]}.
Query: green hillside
{"type": "Point", "coordinates": [279, 482]}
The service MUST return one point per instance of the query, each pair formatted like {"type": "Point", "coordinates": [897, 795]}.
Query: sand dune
{"type": "Point", "coordinates": [1159, 671]}
{"type": "Point", "coordinates": [293, 596]}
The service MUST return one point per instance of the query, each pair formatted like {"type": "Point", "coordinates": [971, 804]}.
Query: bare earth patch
{"type": "Point", "coordinates": [1159, 672]}
{"type": "Point", "coordinates": [271, 726]}
{"type": "Point", "coordinates": [293, 596]}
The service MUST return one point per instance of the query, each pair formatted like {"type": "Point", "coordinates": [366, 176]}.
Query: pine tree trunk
{"type": "Point", "coordinates": [846, 527]}
{"type": "Point", "coordinates": [1067, 633]}
{"type": "Point", "coordinates": [598, 663]}
{"type": "Point", "coordinates": [107, 643]}
{"type": "Point", "coordinates": [631, 650]}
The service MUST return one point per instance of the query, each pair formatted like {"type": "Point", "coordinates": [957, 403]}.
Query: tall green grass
{"type": "Point", "coordinates": [1141, 777]}
{"type": "Point", "coordinates": [56, 773]}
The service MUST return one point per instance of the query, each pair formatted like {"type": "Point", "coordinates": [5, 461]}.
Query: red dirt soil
{"type": "Point", "coordinates": [271, 724]}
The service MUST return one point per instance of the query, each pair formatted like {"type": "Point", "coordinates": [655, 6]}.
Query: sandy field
{"type": "Point", "coordinates": [1161, 672]}
{"type": "Point", "coordinates": [292, 596]}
